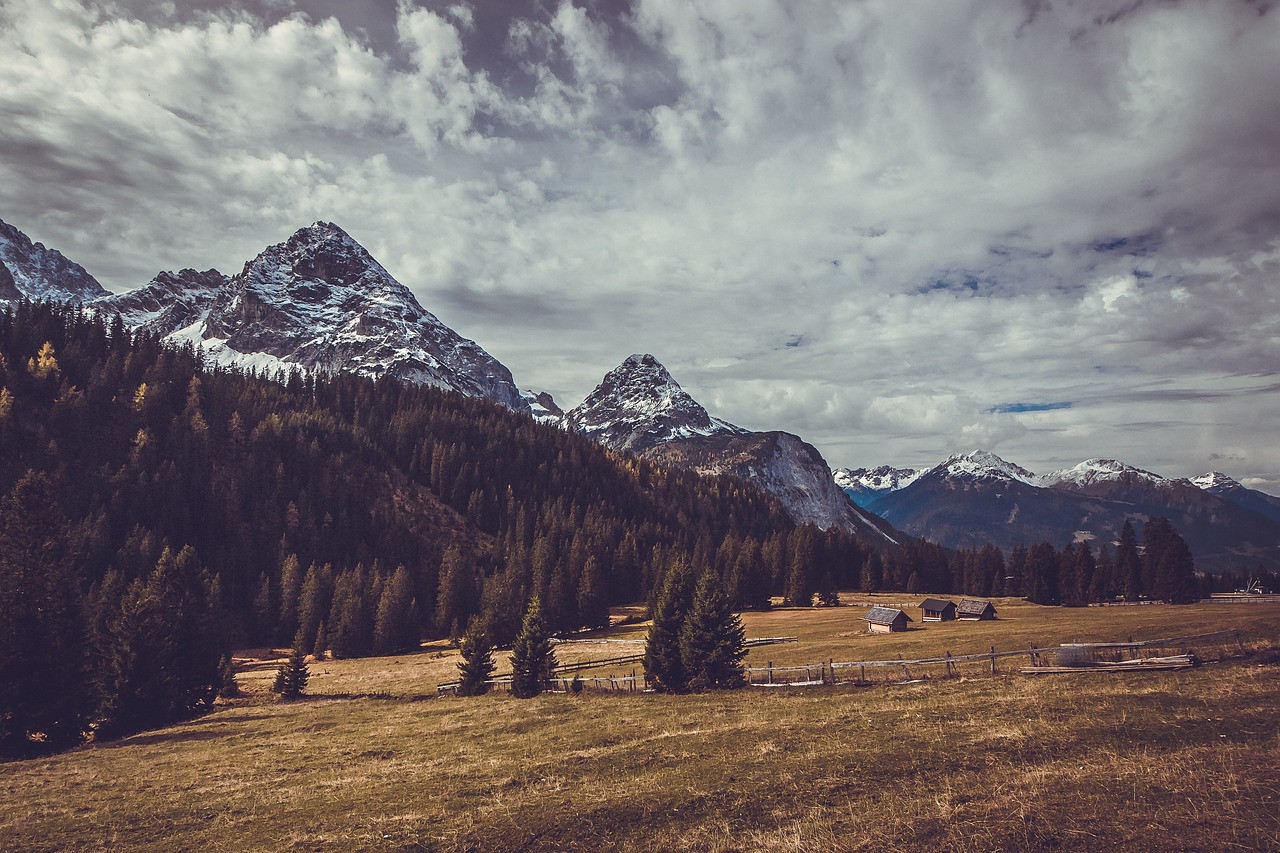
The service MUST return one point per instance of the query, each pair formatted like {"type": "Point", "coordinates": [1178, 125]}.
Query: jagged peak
{"type": "Point", "coordinates": [1215, 481]}
{"type": "Point", "coordinates": [882, 478]}
{"type": "Point", "coordinates": [984, 465]}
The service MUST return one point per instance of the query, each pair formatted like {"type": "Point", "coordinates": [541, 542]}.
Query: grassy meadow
{"type": "Point", "coordinates": [1185, 760]}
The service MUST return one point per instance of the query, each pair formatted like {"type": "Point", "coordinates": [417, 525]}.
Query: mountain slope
{"type": "Point", "coordinates": [639, 408]}
{"type": "Point", "coordinates": [169, 302]}
{"type": "Point", "coordinates": [40, 273]}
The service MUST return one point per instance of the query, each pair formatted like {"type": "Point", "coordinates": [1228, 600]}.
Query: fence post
{"type": "Point", "coordinates": [1032, 654]}
{"type": "Point", "coordinates": [905, 671]}
{"type": "Point", "coordinates": [862, 673]}
{"type": "Point", "coordinates": [1240, 642]}
{"type": "Point", "coordinates": [831, 665]}
{"type": "Point", "coordinates": [771, 672]}
{"type": "Point", "coordinates": [951, 666]}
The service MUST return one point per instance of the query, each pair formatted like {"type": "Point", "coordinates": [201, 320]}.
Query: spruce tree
{"type": "Point", "coordinates": [1128, 572]}
{"type": "Point", "coordinates": [532, 657]}
{"type": "Point", "coordinates": [712, 639]}
{"type": "Point", "coordinates": [293, 674]}
{"type": "Point", "coordinates": [663, 665]}
{"type": "Point", "coordinates": [477, 665]}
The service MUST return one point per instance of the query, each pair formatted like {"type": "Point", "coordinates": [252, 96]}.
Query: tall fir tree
{"type": "Point", "coordinates": [477, 665]}
{"type": "Point", "coordinates": [712, 639]}
{"type": "Point", "coordinates": [292, 675]}
{"type": "Point", "coordinates": [532, 655]}
{"type": "Point", "coordinates": [663, 664]}
{"type": "Point", "coordinates": [1128, 571]}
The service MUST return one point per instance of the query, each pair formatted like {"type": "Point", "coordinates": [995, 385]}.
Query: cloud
{"type": "Point", "coordinates": [886, 233]}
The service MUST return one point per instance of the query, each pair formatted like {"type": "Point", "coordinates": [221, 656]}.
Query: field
{"type": "Point", "coordinates": [1186, 760]}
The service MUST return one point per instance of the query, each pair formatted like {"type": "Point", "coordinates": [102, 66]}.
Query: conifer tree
{"type": "Point", "coordinates": [293, 674]}
{"type": "Point", "coordinates": [1128, 571]}
{"type": "Point", "coordinates": [395, 627]}
{"type": "Point", "coordinates": [477, 665]}
{"type": "Point", "coordinates": [532, 656]}
{"type": "Point", "coordinates": [663, 664]}
{"type": "Point", "coordinates": [712, 639]}
{"type": "Point", "coordinates": [593, 607]}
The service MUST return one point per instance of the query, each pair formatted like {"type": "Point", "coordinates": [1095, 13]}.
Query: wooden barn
{"type": "Point", "coordinates": [937, 610]}
{"type": "Point", "coordinates": [972, 608]}
{"type": "Point", "coordinates": [886, 620]}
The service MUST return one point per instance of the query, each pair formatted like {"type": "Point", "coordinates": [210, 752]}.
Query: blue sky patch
{"type": "Point", "coordinates": [1021, 408]}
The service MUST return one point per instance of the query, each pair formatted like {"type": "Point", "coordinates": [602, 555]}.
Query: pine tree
{"type": "Point", "coordinates": [293, 674]}
{"type": "Point", "coordinates": [712, 639]}
{"type": "Point", "coordinates": [1128, 572]}
{"type": "Point", "coordinates": [663, 664]}
{"type": "Point", "coordinates": [477, 665]}
{"type": "Point", "coordinates": [532, 656]}
{"type": "Point", "coordinates": [1042, 574]}
{"type": "Point", "coordinates": [593, 607]}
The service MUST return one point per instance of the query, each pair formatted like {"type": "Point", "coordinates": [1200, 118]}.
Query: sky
{"type": "Point", "coordinates": [898, 230]}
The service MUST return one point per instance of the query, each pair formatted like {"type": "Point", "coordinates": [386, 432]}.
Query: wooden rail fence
{"type": "Point", "coordinates": [863, 671]}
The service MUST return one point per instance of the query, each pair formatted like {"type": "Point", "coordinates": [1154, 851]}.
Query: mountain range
{"type": "Point", "coordinates": [975, 498]}
{"type": "Point", "coordinates": [320, 302]}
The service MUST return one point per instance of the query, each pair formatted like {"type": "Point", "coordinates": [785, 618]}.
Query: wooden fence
{"type": "Point", "coordinates": [895, 671]}
{"type": "Point", "coordinates": [949, 666]}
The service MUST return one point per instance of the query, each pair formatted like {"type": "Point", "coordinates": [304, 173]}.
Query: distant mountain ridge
{"type": "Point", "coordinates": [975, 498]}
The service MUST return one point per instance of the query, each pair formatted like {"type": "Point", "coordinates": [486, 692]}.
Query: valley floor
{"type": "Point", "coordinates": [1186, 760]}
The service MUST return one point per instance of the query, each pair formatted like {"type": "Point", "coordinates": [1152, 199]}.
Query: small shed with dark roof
{"type": "Point", "coordinates": [886, 620]}
{"type": "Point", "coordinates": [937, 610]}
{"type": "Point", "coordinates": [972, 608]}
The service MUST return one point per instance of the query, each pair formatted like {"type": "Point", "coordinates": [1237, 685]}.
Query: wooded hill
{"type": "Point", "coordinates": [365, 513]}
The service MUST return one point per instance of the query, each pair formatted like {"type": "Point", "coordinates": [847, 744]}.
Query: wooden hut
{"type": "Point", "coordinates": [886, 620]}
{"type": "Point", "coordinates": [937, 610]}
{"type": "Point", "coordinates": [972, 608]}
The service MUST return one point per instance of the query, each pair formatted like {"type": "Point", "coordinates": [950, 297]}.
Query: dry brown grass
{"type": "Point", "coordinates": [1143, 761]}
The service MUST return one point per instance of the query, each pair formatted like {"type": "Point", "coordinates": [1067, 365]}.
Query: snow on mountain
{"type": "Point", "coordinates": [1093, 471]}
{"type": "Point", "coordinates": [1216, 482]}
{"type": "Point", "coordinates": [983, 465]}
{"type": "Point", "coordinates": [40, 273]}
{"type": "Point", "coordinates": [169, 302]}
{"type": "Point", "coordinates": [317, 302]}
{"type": "Point", "coordinates": [639, 408]}
{"type": "Point", "coordinates": [543, 407]}
{"type": "Point", "coordinates": [865, 485]}
{"type": "Point", "coordinates": [638, 405]}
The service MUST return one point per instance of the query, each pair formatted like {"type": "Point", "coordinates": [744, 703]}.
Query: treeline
{"type": "Point", "coordinates": [1162, 568]}
{"type": "Point", "coordinates": [357, 515]}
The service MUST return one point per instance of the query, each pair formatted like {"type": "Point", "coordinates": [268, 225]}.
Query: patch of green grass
{"type": "Point", "coordinates": [1183, 760]}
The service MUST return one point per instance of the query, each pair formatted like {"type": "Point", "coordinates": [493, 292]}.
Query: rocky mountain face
{"type": "Point", "coordinates": [317, 302]}
{"type": "Point", "coordinates": [39, 273]}
{"type": "Point", "coordinates": [639, 408]}
{"type": "Point", "coordinates": [976, 498]}
{"type": "Point", "coordinates": [8, 287]}
{"type": "Point", "coordinates": [168, 303]}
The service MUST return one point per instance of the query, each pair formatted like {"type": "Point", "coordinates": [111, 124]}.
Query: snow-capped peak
{"type": "Point", "coordinates": [638, 404]}
{"type": "Point", "coordinates": [984, 465]}
{"type": "Point", "coordinates": [1215, 481]}
{"type": "Point", "coordinates": [41, 273]}
{"type": "Point", "coordinates": [1098, 471]}
{"type": "Point", "coordinates": [882, 479]}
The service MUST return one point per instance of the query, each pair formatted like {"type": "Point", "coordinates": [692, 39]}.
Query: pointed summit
{"type": "Point", "coordinates": [638, 405]}
{"type": "Point", "coordinates": [984, 465]}
{"type": "Point", "coordinates": [40, 273]}
{"type": "Point", "coordinates": [1092, 471]}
